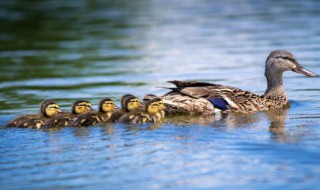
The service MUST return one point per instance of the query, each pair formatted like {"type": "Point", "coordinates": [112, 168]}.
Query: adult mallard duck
{"type": "Point", "coordinates": [106, 106]}
{"type": "Point", "coordinates": [48, 109]}
{"type": "Point", "coordinates": [152, 113]}
{"type": "Point", "coordinates": [64, 119]}
{"type": "Point", "coordinates": [206, 98]}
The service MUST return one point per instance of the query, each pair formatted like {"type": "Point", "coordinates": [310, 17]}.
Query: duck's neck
{"type": "Point", "coordinates": [275, 88]}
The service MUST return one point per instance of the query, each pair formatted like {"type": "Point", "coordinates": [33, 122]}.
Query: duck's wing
{"type": "Point", "coordinates": [225, 97]}
{"type": "Point", "coordinates": [32, 123]}
{"type": "Point", "coordinates": [178, 83]}
{"type": "Point", "coordinates": [17, 121]}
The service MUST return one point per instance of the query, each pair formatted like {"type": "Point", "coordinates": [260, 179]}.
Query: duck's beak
{"type": "Point", "coordinates": [301, 70]}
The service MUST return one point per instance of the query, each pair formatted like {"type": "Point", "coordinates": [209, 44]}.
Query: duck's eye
{"type": "Point", "coordinates": [288, 58]}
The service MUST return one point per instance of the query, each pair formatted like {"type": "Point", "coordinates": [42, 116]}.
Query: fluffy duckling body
{"type": "Point", "coordinates": [129, 103]}
{"type": "Point", "coordinates": [48, 109]}
{"type": "Point", "coordinates": [152, 113]}
{"type": "Point", "coordinates": [106, 106]}
{"type": "Point", "coordinates": [64, 119]}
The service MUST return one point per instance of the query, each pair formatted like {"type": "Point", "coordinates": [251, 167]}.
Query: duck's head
{"type": "Point", "coordinates": [154, 105]}
{"type": "Point", "coordinates": [81, 106]}
{"type": "Point", "coordinates": [280, 61]}
{"type": "Point", "coordinates": [149, 97]}
{"type": "Point", "coordinates": [130, 103]}
{"type": "Point", "coordinates": [49, 108]}
{"type": "Point", "coordinates": [106, 105]}
{"type": "Point", "coordinates": [122, 101]}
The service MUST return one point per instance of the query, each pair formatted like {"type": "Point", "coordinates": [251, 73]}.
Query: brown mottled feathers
{"type": "Point", "coordinates": [197, 99]}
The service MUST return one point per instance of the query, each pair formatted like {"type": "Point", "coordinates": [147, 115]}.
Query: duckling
{"type": "Point", "coordinates": [106, 106]}
{"type": "Point", "coordinates": [64, 119]}
{"type": "Point", "coordinates": [152, 113]}
{"type": "Point", "coordinates": [149, 97]}
{"type": "Point", "coordinates": [128, 103]}
{"type": "Point", "coordinates": [48, 109]}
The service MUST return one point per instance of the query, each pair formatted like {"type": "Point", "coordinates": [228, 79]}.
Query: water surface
{"type": "Point", "coordinates": [94, 49]}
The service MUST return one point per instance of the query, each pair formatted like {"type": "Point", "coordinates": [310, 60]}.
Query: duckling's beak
{"type": "Point", "coordinates": [59, 110]}
{"type": "Point", "coordinates": [301, 70]}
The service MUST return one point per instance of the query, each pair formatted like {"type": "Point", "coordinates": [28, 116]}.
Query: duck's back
{"type": "Point", "coordinates": [27, 121]}
{"type": "Point", "coordinates": [191, 98]}
{"type": "Point", "coordinates": [62, 119]}
{"type": "Point", "coordinates": [91, 118]}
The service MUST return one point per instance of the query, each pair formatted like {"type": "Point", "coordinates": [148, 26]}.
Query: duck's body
{"type": "Point", "coordinates": [47, 110]}
{"type": "Point", "coordinates": [64, 119]}
{"type": "Point", "coordinates": [206, 98]}
{"type": "Point", "coordinates": [106, 106]}
{"type": "Point", "coordinates": [19, 121]}
{"type": "Point", "coordinates": [152, 113]}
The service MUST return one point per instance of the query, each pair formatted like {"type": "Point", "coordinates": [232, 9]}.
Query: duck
{"type": "Point", "coordinates": [106, 107]}
{"type": "Point", "coordinates": [129, 103]}
{"type": "Point", "coordinates": [152, 113]}
{"type": "Point", "coordinates": [193, 97]}
{"type": "Point", "coordinates": [149, 97]}
{"type": "Point", "coordinates": [64, 119]}
{"type": "Point", "coordinates": [48, 109]}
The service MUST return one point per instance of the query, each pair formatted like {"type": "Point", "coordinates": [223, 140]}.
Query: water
{"type": "Point", "coordinates": [94, 49]}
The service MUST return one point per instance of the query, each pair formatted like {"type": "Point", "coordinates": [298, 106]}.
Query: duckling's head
{"type": "Point", "coordinates": [130, 103]}
{"type": "Point", "coordinates": [148, 97]}
{"type": "Point", "coordinates": [280, 61]}
{"type": "Point", "coordinates": [49, 108]}
{"type": "Point", "coordinates": [122, 101]}
{"type": "Point", "coordinates": [81, 106]}
{"type": "Point", "coordinates": [154, 106]}
{"type": "Point", "coordinates": [106, 105]}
